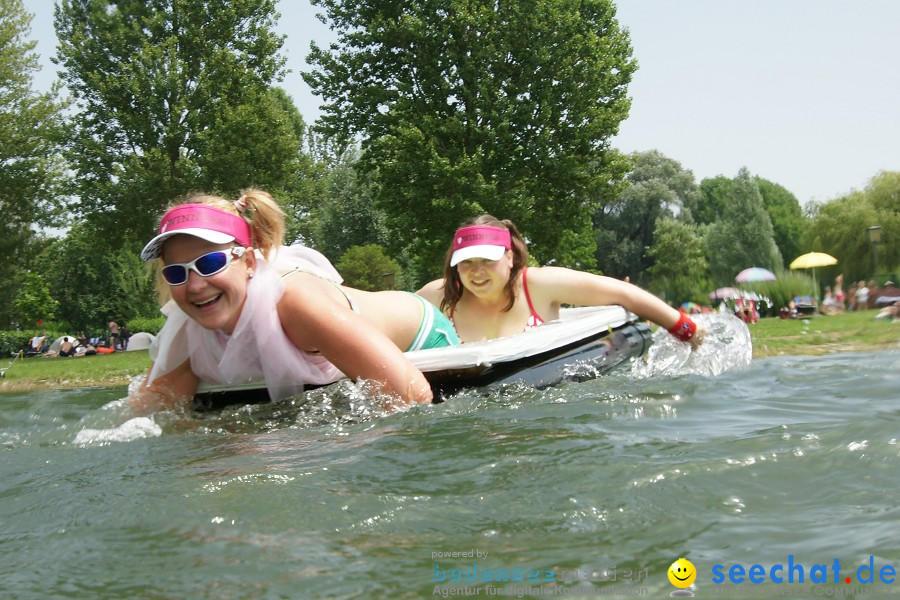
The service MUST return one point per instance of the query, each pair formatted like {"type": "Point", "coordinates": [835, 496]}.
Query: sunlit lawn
{"type": "Point", "coordinates": [821, 334]}
{"type": "Point", "coordinates": [97, 370]}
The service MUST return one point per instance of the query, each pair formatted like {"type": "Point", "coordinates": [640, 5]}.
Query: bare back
{"type": "Point", "coordinates": [396, 314]}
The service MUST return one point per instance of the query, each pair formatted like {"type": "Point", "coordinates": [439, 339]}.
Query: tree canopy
{"type": "Point", "coordinates": [742, 237]}
{"type": "Point", "coordinates": [368, 268]}
{"type": "Point", "coordinates": [345, 215]}
{"type": "Point", "coordinates": [679, 270]}
{"type": "Point", "coordinates": [91, 286]}
{"type": "Point", "coordinates": [840, 228]}
{"type": "Point", "coordinates": [787, 218]}
{"type": "Point", "coordinates": [172, 97]}
{"type": "Point", "coordinates": [471, 107]}
{"type": "Point", "coordinates": [714, 199]}
{"type": "Point", "coordinates": [32, 177]}
{"type": "Point", "coordinates": [450, 108]}
{"type": "Point", "coordinates": [657, 187]}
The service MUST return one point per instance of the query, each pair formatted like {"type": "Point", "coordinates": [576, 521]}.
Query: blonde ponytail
{"type": "Point", "coordinates": [265, 217]}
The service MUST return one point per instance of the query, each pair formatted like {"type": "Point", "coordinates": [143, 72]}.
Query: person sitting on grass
{"type": "Point", "coordinates": [88, 349]}
{"type": "Point", "coordinates": [890, 312]}
{"type": "Point", "coordinates": [66, 348]}
{"type": "Point", "coordinates": [38, 344]}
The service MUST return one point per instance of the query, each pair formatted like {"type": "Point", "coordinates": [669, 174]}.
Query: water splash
{"type": "Point", "coordinates": [132, 429]}
{"type": "Point", "coordinates": [346, 403]}
{"type": "Point", "coordinates": [726, 347]}
{"type": "Point", "coordinates": [115, 422]}
{"type": "Point", "coordinates": [336, 407]}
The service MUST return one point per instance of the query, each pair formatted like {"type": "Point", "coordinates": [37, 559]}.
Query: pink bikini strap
{"type": "Point", "coordinates": [528, 296]}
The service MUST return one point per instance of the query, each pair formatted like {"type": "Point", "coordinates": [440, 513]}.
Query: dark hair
{"type": "Point", "coordinates": [453, 287]}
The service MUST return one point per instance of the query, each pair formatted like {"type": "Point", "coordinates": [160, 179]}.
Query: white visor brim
{"type": "Point", "coordinates": [483, 251]}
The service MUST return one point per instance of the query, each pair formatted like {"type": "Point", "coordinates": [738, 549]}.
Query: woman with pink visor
{"type": "Point", "coordinates": [243, 308]}
{"type": "Point", "coordinates": [489, 292]}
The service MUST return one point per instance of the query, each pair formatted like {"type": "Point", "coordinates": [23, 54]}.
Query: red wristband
{"type": "Point", "coordinates": [684, 329]}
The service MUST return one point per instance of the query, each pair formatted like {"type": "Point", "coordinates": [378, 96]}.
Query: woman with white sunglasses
{"type": "Point", "coordinates": [245, 308]}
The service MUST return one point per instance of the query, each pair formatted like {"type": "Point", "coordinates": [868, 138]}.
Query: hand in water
{"type": "Point", "coordinates": [697, 339]}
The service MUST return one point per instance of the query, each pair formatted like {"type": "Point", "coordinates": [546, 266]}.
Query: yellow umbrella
{"type": "Point", "coordinates": [811, 260]}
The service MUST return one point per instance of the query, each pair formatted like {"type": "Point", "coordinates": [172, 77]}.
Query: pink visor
{"type": "Point", "coordinates": [200, 220]}
{"type": "Point", "coordinates": [479, 241]}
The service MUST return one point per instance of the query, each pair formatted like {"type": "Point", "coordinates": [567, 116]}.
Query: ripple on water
{"type": "Point", "coordinates": [328, 494]}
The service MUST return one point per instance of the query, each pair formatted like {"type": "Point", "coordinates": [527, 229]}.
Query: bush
{"type": "Point", "coordinates": [368, 268]}
{"type": "Point", "coordinates": [13, 341]}
{"type": "Point", "coordinates": [152, 325]}
{"type": "Point", "coordinates": [784, 289]}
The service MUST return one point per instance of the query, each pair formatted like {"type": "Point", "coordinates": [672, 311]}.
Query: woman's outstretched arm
{"type": "Point", "coordinates": [313, 320]}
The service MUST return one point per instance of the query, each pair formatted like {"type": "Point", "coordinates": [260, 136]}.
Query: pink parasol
{"type": "Point", "coordinates": [754, 274]}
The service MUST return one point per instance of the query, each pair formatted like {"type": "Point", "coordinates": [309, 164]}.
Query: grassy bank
{"type": "Point", "coordinates": [103, 370]}
{"type": "Point", "coordinates": [849, 332]}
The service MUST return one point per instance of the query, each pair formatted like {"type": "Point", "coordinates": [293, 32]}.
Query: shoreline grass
{"type": "Point", "coordinates": [100, 370]}
{"type": "Point", "coordinates": [816, 335]}
{"type": "Point", "coordinates": [824, 334]}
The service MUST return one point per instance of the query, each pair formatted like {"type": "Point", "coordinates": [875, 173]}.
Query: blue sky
{"type": "Point", "coordinates": [805, 93]}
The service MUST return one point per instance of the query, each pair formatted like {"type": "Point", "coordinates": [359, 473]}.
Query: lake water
{"type": "Point", "coordinates": [582, 490]}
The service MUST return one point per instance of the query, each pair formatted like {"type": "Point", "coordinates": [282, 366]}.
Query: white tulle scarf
{"type": "Point", "coordinates": [258, 350]}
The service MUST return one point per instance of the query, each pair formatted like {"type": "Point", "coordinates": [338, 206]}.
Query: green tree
{"type": "Point", "coordinates": [786, 216]}
{"type": "Point", "coordinates": [368, 268]}
{"type": "Point", "coordinates": [33, 301]}
{"type": "Point", "coordinates": [883, 190]}
{"type": "Point", "coordinates": [301, 200]}
{"type": "Point", "coordinates": [657, 187]}
{"type": "Point", "coordinates": [31, 195]}
{"type": "Point", "coordinates": [469, 107]}
{"type": "Point", "coordinates": [258, 142]}
{"type": "Point", "coordinates": [173, 96]}
{"type": "Point", "coordinates": [91, 285]}
{"type": "Point", "coordinates": [715, 194]}
{"type": "Point", "coordinates": [743, 235]}
{"type": "Point", "coordinates": [840, 228]}
{"type": "Point", "coordinates": [346, 215]}
{"type": "Point", "coordinates": [781, 205]}
{"type": "Point", "coordinates": [679, 270]}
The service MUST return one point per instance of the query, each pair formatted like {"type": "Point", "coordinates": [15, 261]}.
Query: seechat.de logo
{"type": "Point", "coordinates": [795, 572]}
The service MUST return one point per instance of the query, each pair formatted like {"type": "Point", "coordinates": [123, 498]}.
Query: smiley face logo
{"type": "Point", "coordinates": [682, 573]}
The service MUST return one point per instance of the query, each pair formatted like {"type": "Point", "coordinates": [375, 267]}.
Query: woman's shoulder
{"type": "Point", "coordinates": [304, 286]}
{"type": "Point", "coordinates": [548, 275]}
{"type": "Point", "coordinates": [433, 291]}
{"type": "Point", "coordinates": [287, 259]}
{"type": "Point", "coordinates": [562, 285]}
